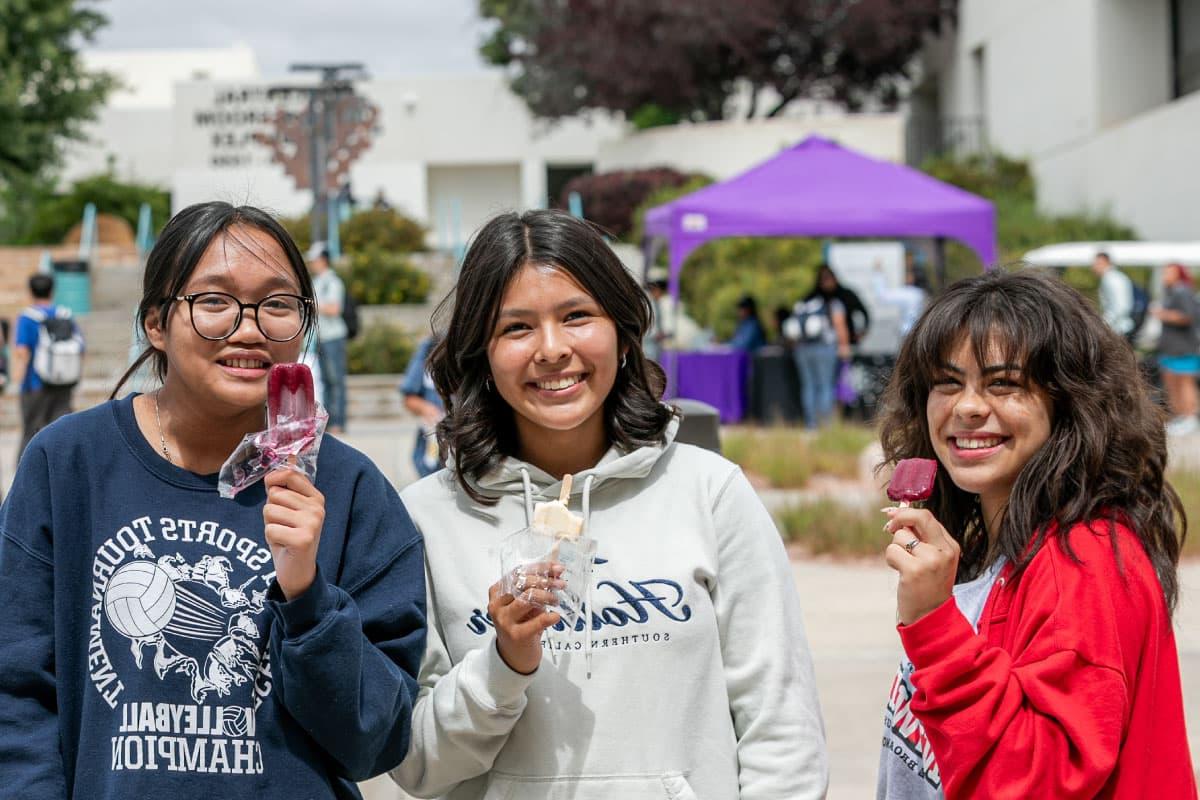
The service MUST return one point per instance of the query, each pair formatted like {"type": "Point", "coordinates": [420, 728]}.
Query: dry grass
{"type": "Point", "coordinates": [787, 457]}
{"type": "Point", "coordinates": [827, 526]}
{"type": "Point", "coordinates": [1187, 484]}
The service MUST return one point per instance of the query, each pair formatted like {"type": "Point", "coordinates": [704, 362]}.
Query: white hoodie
{"type": "Point", "coordinates": [701, 683]}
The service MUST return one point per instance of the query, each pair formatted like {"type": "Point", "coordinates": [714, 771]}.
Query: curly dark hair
{"type": "Point", "coordinates": [478, 430]}
{"type": "Point", "coordinates": [1106, 454]}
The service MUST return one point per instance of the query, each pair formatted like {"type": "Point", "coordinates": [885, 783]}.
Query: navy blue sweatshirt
{"type": "Point", "coordinates": [146, 650]}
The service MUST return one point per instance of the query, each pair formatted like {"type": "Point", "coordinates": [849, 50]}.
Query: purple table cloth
{"type": "Point", "coordinates": [716, 377]}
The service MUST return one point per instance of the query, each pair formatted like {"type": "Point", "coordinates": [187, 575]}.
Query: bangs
{"type": "Point", "coordinates": [1002, 327]}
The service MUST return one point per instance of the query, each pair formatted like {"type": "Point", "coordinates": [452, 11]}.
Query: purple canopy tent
{"type": "Point", "coordinates": [818, 188]}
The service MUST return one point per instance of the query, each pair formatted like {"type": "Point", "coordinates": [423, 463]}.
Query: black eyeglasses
{"type": "Point", "coordinates": [216, 315]}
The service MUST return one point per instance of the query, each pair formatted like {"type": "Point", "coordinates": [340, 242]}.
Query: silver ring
{"type": "Point", "coordinates": [912, 545]}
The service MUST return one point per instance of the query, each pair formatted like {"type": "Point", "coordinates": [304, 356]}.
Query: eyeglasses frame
{"type": "Point", "coordinates": [306, 306]}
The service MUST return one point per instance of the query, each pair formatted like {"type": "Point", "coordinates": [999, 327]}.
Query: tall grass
{"type": "Point", "coordinates": [827, 526]}
{"type": "Point", "coordinates": [787, 457]}
{"type": "Point", "coordinates": [1187, 484]}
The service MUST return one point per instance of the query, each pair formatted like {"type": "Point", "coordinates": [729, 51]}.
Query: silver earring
{"type": "Point", "coordinates": [623, 357]}
{"type": "Point", "coordinates": [487, 382]}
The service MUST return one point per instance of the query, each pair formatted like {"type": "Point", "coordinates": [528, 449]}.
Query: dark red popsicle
{"type": "Point", "coordinates": [912, 480]}
{"type": "Point", "coordinates": [290, 394]}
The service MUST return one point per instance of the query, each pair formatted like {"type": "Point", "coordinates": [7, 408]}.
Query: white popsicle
{"type": "Point", "coordinates": [555, 518]}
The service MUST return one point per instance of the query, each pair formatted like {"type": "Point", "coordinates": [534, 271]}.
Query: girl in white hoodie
{"type": "Point", "coordinates": [691, 677]}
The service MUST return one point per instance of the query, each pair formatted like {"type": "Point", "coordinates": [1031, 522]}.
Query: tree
{"type": "Point", "coordinates": [45, 93]}
{"type": "Point", "coordinates": [664, 60]}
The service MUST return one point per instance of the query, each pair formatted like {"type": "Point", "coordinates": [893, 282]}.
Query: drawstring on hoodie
{"type": "Point", "coordinates": [587, 603]}
{"type": "Point", "coordinates": [587, 608]}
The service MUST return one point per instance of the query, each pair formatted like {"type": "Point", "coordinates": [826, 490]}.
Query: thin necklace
{"type": "Point", "coordinates": [162, 440]}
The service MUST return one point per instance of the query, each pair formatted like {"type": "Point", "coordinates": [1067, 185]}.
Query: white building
{"type": "Point", "coordinates": [1100, 95]}
{"type": "Point", "coordinates": [450, 150]}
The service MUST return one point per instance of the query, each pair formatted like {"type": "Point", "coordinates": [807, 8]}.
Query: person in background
{"type": "Point", "coordinates": [331, 333]}
{"type": "Point", "coordinates": [820, 329]}
{"type": "Point", "coordinates": [1037, 583]}
{"type": "Point", "coordinates": [422, 399]}
{"type": "Point", "coordinates": [1116, 295]}
{"type": "Point", "coordinates": [41, 401]}
{"type": "Point", "coordinates": [749, 334]}
{"type": "Point", "coordinates": [673, 329]}
{"type": "Point", "coordinates": [858, 319]}
{"type": "Point", "coordinates": [908, 300]}
{"type": "Point", "coordinates": [1179, 348]}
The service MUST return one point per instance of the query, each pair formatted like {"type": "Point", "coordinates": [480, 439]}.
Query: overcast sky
{"type": "Point", "coordinates": [391, 37]}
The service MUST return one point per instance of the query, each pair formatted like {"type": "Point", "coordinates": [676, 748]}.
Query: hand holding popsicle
{"type": "Point", "coordinates": [921, 550]}
{"type": "Point", "coordinates": [292, 520]}
{"type": "Point", "coordinates": [295, 511]}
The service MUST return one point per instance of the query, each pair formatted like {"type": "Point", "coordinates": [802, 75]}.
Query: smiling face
{"type": "Point", "coordinates": [228, 376]}
{"type": "Point", "coordinates": [553, 356]}
{"type": "Point", "coordinates": [985, 422]}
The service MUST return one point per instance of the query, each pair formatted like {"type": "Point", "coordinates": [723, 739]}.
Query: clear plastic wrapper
{"type": "Point", "coordinates": [261, 452]}
{"type": "Point", "coordinates": [526, 556]}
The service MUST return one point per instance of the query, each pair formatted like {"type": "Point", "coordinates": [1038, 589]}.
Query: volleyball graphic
{"type": "Point", "coordinates": [140, 599]}
{"type": "Point", "coordinates": [234, 720]}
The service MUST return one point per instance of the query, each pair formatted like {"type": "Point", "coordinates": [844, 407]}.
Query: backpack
{"type": "Point", "coordinates": [58, 355]}
{"type": "Point", "coordinates": [1141, 305]}
{"type": "Point", "coordinates": [350, 315]}
{"type": "Point", "coordinates": [809, 323]}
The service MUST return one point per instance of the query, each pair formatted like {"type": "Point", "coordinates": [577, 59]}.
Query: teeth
{"type": "Point", "coordinates": [243, 363]}
{"type": "Point", "coordinates": [976, 444]}
{"type": "Point", "coordinates": [561, 383]}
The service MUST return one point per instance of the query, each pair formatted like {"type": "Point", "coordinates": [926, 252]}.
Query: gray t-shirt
{"type": "Point", "coordinates": [907, 767]}
{"type": "Point", "coordinates": [1180, 340]}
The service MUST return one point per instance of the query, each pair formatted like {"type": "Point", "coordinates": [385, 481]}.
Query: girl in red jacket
{"type": "Point", "coordinates": [1037, 585]}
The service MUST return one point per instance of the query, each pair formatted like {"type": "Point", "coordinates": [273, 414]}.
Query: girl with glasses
{"type": "Point", "coordinates": [160, 641]}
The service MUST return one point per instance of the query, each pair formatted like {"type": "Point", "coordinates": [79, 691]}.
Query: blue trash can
{"type": "Point", "coordinates": [73, 285]}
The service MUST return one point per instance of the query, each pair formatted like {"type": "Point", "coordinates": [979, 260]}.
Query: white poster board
{"type": "Point", "coordinates": [868, 268]}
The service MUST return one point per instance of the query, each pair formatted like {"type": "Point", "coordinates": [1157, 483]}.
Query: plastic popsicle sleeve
{"type": "Point", "coordinates": [912, 481]}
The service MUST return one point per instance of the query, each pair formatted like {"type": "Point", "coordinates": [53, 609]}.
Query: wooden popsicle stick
{"type": "Point", "coordinates": [564, 495]}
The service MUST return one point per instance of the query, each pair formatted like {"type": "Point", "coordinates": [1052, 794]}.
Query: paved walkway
{"type": "Point", "coordinates": [850, 614]}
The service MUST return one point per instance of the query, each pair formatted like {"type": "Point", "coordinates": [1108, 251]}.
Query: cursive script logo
{"type": "Point", "coordinates": [634, 603]}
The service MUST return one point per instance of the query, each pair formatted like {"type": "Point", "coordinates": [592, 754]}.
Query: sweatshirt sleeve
{"type": "Point", "coordinates": [1044, 721]}
{"type": "Point", "coordinates": [345, 660]}
{"type": "Point", "coordinates": [768, 668]}
{"type": "Point", "coordinates": [462, 718]}
{"type": "Point", "coordinates": [31, 764]}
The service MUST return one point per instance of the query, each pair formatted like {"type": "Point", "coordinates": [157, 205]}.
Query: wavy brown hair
{"type": "Point", "coordinates": [1106, 454]}
{"type": "Point", "coordinates": [478, 430]}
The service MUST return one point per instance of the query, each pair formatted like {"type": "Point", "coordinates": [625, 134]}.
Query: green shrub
{"type": "Point", "coordinates": [45, 217]}
{"type": "Point", "coordinates": [1020, 227]}
{"type": "Point", "coordinates": [375, 277]}
{"type": "Point", "coordinates": [380, 350]}
{"type": "Point", "coordinates": [827, 526]}
{"type": "Point", "coordinates": [381, 229]}
{"type": "Point", "coordinates": [300, 229]}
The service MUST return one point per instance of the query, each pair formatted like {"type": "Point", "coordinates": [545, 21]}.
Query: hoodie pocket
{"type": "Point", "coordinates": [668, 786]}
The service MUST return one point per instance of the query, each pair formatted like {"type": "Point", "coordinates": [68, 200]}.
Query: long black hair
{"type": "Point", "coordinates": [180, 247]}
{"type": "Point", "coordinates": [478, 429]}
{"type": "Point", "coordinates": [1106, 454]}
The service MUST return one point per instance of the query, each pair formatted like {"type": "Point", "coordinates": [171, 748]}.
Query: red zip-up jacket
{"type": "Point", "coordinates": [1069, 690]}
